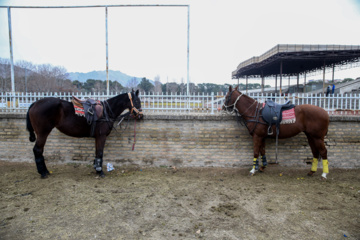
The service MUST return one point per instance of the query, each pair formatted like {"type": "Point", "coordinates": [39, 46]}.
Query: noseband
{"type": "Point", "coordinates": [133, 109]}
{"type": "Point", "coordinates": [233, 106]}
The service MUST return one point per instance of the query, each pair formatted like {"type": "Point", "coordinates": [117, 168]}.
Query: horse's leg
{"type": "Point", "coordinates": [257, 142]}
{"type": "Point", "coordinates": [99, 144]}
{"type": "Point", "coordinates": [320, 145]}
{"type": "Point", "coordinates": [315, 154]}
{"type": "Point", "coordinates": [263, 157]}
{"type": "Point", "coordinates": [39, 157]}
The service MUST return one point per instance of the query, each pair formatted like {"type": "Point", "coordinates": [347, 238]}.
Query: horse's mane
{"type": "Point", "coordinates": [117, 96]}
{"type": "Point", "coordinates": [248, 99]}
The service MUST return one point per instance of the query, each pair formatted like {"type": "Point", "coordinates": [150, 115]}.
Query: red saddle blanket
{"type": "Point", "coordinates": [288, 116]}
{"type": "Point", "coordinates": [79, 108]}
{"type": "Point", "coordinates": [79, 111]}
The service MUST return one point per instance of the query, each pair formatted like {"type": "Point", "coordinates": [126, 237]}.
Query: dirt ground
{"type": "Point", "coordinates": [183, 203]}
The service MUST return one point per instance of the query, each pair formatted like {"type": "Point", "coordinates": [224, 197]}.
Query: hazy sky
{"type": "Point", "coordinates": [150, 41]}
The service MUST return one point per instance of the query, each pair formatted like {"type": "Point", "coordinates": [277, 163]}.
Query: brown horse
{"type": "Point", "coordinates": [310, 119]}
{"type": "Point", "coordinates": [47, 113]}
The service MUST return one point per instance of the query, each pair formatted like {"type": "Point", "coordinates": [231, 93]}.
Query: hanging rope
{"type": "Point", "coordinates": [133, 146]}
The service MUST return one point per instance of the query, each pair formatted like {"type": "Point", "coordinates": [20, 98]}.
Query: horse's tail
{"type": "Point", "coordinates": [29, 126]}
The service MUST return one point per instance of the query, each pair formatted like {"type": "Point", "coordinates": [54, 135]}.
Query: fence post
{"type": "Point", "coordinates": [212, 103]}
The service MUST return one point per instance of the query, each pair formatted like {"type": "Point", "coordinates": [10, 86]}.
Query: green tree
{"type": "Point", "coordinates": [145, 85]}
{"type": "Point", "coordinates": [347, 80]}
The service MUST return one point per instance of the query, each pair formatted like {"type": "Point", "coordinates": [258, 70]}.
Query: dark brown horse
{"type": "Point", "coordinates": [310, 119]}
{"type": "Point", "coordinates": [45, 114]}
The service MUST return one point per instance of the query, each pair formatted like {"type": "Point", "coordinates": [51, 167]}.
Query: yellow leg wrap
{"type": "Point", "coordinates": [254, 161]}
{"type": "Point", "coordinates": [325, 166]}
{"type": "Point", "coordinates": [314, 164]}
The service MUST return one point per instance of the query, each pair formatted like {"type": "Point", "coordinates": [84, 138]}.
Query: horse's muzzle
{"type": "Point", "coordinates": [138, 114]}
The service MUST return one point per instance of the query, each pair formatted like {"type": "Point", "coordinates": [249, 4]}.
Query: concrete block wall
{"type": "Point", "coordinates": [187, 140]}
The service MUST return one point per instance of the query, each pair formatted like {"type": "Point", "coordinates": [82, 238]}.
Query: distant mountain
{"type": "Point", "coordinates": [101, 75]}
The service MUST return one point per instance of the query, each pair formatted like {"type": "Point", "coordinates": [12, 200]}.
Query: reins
{"type": "Point", "coordinates": [240, 116]}
{"type": "Point", "coordinates": [121, 118]}
{"type": "Point", "coordinates": [133, 109]}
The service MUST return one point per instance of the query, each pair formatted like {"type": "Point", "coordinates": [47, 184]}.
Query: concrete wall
{"type": "Point", "coordinates": [181, 140]}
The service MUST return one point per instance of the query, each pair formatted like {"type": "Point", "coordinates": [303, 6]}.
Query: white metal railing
{"type": "Point", "coordinates": [199, 103]}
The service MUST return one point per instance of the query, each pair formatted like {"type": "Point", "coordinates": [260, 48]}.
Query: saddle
{"type": "Point", "coordinates": [272, 114]}
{"type": "Point", "coordinates": [91, 109]}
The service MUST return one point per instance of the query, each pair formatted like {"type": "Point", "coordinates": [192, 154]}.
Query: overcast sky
{"type": "Point", "coordinates": [150, 41]}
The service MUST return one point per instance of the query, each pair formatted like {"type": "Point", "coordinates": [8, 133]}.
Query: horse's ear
{"type": "Point", "coordinates": [137, 92]}
{"type": "Point", "coordinates": [230, 88]}
{"type": "Point", "coordinates": [236, 88]}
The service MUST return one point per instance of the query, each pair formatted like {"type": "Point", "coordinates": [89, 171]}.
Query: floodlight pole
{"type": "Point", "coordinates": [188, 50]}
{"type": "Point", "coordinates": [107, 51]}
{"type": "Point", "coordinates": [324, 78]}
{"type": "Point", "coordinates": [11, 53]}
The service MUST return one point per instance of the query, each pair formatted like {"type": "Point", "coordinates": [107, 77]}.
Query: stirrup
{"type": "Point", "coordinates": [270, 131]}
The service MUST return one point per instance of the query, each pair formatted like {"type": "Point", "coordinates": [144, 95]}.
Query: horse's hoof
{"type": "Point", "coordinates": [262, 169]}
{"type": "Point", "coordinates": [323, 176]}
{"type": "Point", "coordinates": [311, 173]}
{"type": "Point", "coordinates": [44, 176]}
{"type": "Point", "coordinates": [252, 172]}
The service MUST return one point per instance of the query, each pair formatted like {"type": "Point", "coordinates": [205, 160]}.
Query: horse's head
{"type": "Point", "coordinates": [135, 104]}
{"type": "Point", "coordinates": [230, 99]}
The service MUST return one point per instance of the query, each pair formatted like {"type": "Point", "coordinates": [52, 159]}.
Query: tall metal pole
{"type": "Point", "coordinates": [25, 80]}
{"type": "Point", "coordinates": [107, 51]}
{"type": "Point", "coordinates": [324, 78]}
{"type": "Point", "coordinates": [188, 50]}
{"type": "Point", "coordinates": [11, 53]}
{"type": "Point", "coordinates": [246, 84]}
{"type": "Point", "coordinates": [281, 69]}
{"type": "Point", "coordinates": [297, 82]}
{"type": "Point", "coordinates": [288, 83]}
{"type": "Point", "coordinates": [262, 82]}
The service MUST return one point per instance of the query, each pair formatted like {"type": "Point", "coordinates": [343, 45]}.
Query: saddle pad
{"type": "Point", "coordinates": [79, 110]}
{"type": "Point", "coordinates": [288, 116]}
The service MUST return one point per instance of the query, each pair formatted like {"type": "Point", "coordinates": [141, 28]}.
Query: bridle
{"type": "Point", "coordinates": [122, 116]}
{"type": "Point", "coordinates": [133, 108]}
{"type": "Point", "coordinates": [240, 116]}
{"type": "Point", "coordinates": [233, 106]}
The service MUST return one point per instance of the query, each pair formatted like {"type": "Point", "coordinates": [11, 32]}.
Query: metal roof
{"type": "Point", "coordinates": [297, 59]}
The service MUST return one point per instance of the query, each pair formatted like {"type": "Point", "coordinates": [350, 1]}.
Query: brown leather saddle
{"type": "Point", "coordinates": [91, 109]}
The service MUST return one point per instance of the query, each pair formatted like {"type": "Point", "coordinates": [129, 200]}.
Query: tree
{"type": "Point", "coordinates": [172, 87]}
{"type": "Point", "coordinates": [115, 86]}
{"type": "Point", "coordinates": [5, 75]}
{"type": "Point", "coordinates": [182, 86]}
{"type": "Point", "coordinates": [158, 85]}
{"type": "Point", "coordinates": [347, 80]}
{"type": "Point", "coordinates": [145, 85]}
{"type": "Point", "coordinates": [132, 83]}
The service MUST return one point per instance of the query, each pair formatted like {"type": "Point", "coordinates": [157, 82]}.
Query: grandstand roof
{"type": "Point", "coordinates": [297, 59]}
